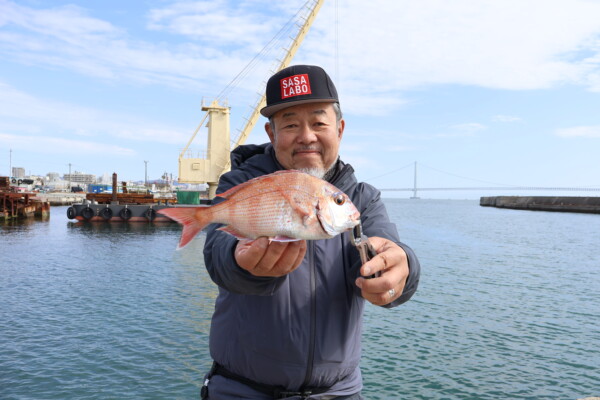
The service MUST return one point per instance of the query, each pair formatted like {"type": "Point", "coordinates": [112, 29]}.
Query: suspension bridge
{"type": "Point", "coordinates": [496, 187]}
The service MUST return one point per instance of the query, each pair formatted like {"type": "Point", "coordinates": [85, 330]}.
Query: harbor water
{"type": "Point", "coordinates": [508, 308]}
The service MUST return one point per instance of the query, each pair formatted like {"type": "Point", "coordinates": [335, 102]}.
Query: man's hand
{"type": "Point", "coordinates": [392, 262]}
{"type": "Point", "coordinates": [261, 258]}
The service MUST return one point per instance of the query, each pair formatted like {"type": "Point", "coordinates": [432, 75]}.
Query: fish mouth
{"type": "Point", "coordinates": [355, 219]}
{"type": "Point", "coordinates": [330, 228]}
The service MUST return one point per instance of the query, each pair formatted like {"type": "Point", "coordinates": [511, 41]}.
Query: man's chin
{"type": "Point", "coordinates": [314, 171]}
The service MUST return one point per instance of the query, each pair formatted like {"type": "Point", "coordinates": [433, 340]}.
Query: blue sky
{"type": "Point", "coordinates": [478, 93]}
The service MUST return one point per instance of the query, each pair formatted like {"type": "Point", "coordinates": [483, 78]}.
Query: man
{"type": "Point", "coordinates": [287, 321]}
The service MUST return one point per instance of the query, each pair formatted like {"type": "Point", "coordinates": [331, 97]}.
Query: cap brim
{"type": "Point", "coordinates": [270, 110]}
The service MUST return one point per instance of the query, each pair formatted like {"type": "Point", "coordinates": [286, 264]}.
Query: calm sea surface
{"type": "Point", "coordinates": [508, 308]}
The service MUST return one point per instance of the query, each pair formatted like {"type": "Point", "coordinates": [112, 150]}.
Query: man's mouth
{"type": "Point", "coordinates": [306, 152]}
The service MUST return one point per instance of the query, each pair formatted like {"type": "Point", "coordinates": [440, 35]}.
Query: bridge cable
{"type": "Point", "coordinates": [390, 172]}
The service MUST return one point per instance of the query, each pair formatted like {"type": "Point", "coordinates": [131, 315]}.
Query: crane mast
{"type": "Point", "coordinates": [217, 161]}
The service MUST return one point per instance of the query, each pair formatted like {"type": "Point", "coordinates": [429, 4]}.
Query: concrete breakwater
{"type": "Point", "coordinates": [544, 203]}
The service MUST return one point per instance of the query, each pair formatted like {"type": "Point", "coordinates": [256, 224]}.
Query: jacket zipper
{"type": "Point", "coordinates": [313, 313]}
{"type": "Point", "coordinates": [313, 296]}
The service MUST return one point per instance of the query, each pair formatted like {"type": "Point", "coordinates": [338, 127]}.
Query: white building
{"type": "Point", "coordinates": [53, 176]}
{"type": "Point", "coordinates": [80, 177]}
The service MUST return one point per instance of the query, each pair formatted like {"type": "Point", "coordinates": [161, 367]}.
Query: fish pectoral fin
{"type": "Point", "coordinates": [300, 205]}
{"type": "Point", "coordinates": [232, 231]}
{"type": "Point", "coordinates": [282, 238]}
{"type": "Point", "coordinates": [309, 219]}
{"type": "Point", "coordinates": [323, 221]}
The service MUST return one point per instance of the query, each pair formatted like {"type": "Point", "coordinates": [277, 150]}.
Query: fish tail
{"type": "Point", "coordinates": [193, 220]}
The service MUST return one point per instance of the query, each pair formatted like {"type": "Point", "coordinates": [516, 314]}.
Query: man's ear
{"type": "Point", "coordinates": [341, 126]}
{"type": "Point", "coordinates": [270, 132]}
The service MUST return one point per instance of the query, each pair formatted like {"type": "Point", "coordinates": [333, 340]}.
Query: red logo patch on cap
{"type": "Point", "coordinates": [295, 85]}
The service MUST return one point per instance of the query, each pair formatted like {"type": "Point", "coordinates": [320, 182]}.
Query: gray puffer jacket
{"type": "Point", "coordinates": [303, 329]}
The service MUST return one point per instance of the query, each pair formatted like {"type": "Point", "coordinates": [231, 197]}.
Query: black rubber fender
{"type": "Point", "coordinates": [125, 213]}
{"type": "Point", "coordinates": [87, 213]}
{"type": "Point", "coordinates": [150, 214]}
{"type": "Point", "coordinates": [106, 213]}
{"type": "Point", "coordinates": [71, 214]}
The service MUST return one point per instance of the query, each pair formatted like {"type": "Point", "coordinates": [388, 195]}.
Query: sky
{"type": "Point", "coordinates": [488, 93]}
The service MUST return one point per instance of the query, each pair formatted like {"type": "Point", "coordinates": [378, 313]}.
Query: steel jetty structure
{"type": "Point", "coordinates": [15, 203]}
{"type": "Point", "coordinates": [120, 207]}
{"type": "Point", "coordinates": [118, 211]}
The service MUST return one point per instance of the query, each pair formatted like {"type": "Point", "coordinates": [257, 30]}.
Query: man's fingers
{"type": "Point", "coordinates": [377, 264]}
{"type": "Point", "coordinates": [274, 252]}
{"type": "Point", "coordinates": [392, 262]}
{"type": "Point", "coordinates": [263, 258]}
{"type": "Point", "coordinates": [379, 291]}
{"type": "Point", "coordinates": [291, 258]}
{"type": "Point", "coordinates": [248, 253]}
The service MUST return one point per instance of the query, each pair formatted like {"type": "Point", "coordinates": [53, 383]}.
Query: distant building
{"type": "Point", "coordinates": [53, 176]}
{"type": "Point", "coordinates": [105, 179]}
{"type": "Point", "coordinates": [80, 177]}
{"type": "Point", "coordinates": [18, 172]}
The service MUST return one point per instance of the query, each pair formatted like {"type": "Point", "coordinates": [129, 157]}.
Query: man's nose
{"type": "Point", "coordinates": [307, 134]}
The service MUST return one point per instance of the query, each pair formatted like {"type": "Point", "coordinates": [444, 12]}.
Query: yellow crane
{"type": "Point", "coordinates": [217, 161]}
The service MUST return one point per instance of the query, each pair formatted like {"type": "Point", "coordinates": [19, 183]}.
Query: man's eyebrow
{"type": "Point", "coordinates": [288, 114]}
{"type": "Point", "coordinates": [291, 114]}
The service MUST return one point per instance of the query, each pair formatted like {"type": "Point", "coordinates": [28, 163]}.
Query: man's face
{"type": "Point", "coordinates": [306, 137]}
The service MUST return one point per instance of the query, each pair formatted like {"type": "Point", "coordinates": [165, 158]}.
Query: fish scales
{"type": "Point", "coordinates": [267, 211]}
{"type": "Point", "coordinates": [285, 205]}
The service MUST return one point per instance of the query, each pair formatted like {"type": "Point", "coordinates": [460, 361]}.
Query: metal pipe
{"type": "Point", "coordinates": [115, 187]}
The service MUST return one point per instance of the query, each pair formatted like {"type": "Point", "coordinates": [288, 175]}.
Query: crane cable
{"type": "Point", "coordinates": [265, 50]}
{"type": "Point", "coordinates": [337, 42]}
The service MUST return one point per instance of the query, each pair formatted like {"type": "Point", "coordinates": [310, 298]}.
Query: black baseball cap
{"type": "Point", "coordinates": [298, 84]}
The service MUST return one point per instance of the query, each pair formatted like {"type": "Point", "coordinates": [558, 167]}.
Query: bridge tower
{"type": "Point", "coordinates": [414, 196]}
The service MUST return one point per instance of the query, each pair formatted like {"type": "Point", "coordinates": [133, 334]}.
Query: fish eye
{"type": "Point", "coordinates": [339, 199]}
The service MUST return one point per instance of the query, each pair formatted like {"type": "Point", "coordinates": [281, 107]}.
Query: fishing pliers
{"type": "Point", "coordinates": [364, 247]}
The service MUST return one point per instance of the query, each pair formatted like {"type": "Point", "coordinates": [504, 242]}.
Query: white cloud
{"type": "Point", "coordinates": [205, 21]}
{"type": "Point", "coordinates": [25, 113]}
{"type": "Point", "coordinates": [495, 44]}
{"type": "Point", "coordinates": [357, 160]}
{"type": "Point", "coordinates": [55, 146]}
{"type": "Point", "coordinates": [399, 149]}
{"type": "Point", "coordinates": [505, 118]}
{"type": "Point", "coordinates": [66, 37]}
{"type": "Point", "coordinates": [373, 104]}
{"type": "Point", "coordinates": [580, 131]}
{"type": "Point", "coordinates": [384, 48]}
{"type": "Point", "coordinates": [469, 127]}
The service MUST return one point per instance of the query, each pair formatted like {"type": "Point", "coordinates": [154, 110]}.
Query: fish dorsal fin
{"type": "Point", "coordinates": [228, 193]}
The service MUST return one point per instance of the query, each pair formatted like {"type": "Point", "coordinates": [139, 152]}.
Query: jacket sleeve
{"type": "Point", "coordinates": [219, 257]}
{"type": "Point", "coordinates": [376, 222]}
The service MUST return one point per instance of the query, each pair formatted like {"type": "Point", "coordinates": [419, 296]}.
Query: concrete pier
{"type": "Point", "coordinates": [544, 203]}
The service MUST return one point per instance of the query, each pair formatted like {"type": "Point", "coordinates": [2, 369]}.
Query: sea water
{"type": "Point", "coordinates": [508, 308]}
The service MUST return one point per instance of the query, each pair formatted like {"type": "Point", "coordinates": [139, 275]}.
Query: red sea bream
{"type": "Point", "coordinates": [283, 206]}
